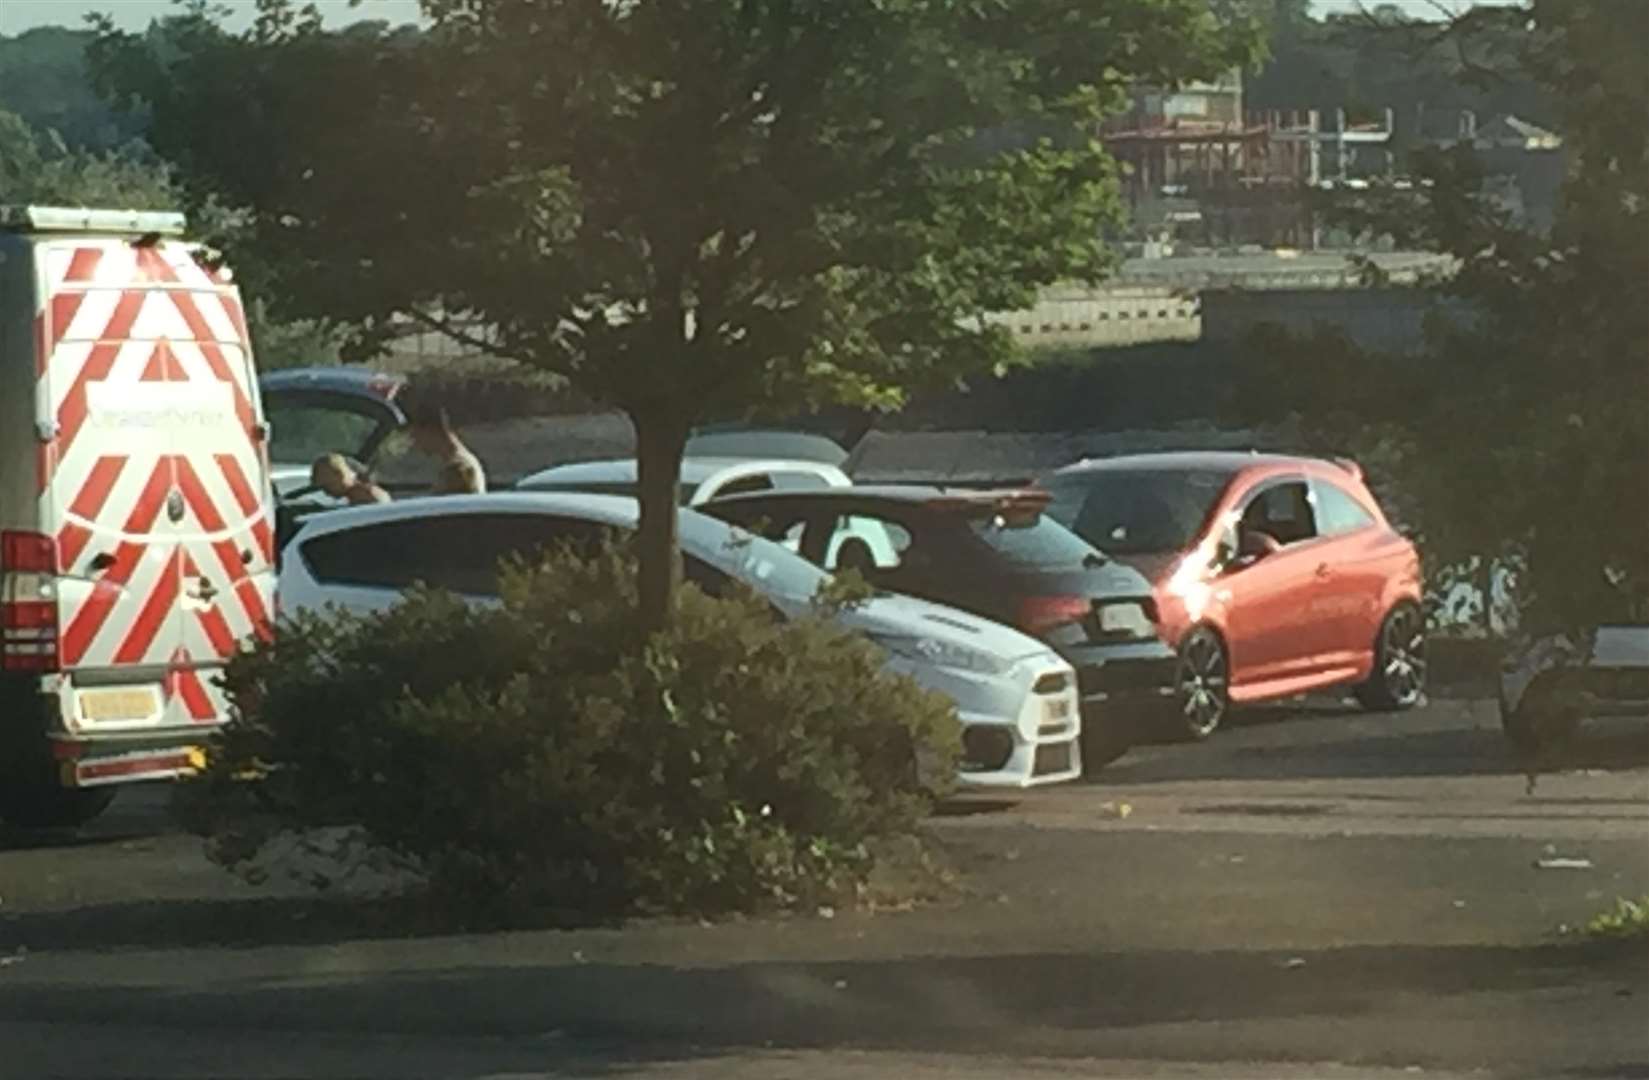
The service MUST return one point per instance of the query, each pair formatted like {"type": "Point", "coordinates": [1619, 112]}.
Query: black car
{"type": "Point", "coordinates": [993, 553]}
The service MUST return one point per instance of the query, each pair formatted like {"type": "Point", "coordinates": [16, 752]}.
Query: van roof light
{"type": "Point", "coordinates": [82, 219]}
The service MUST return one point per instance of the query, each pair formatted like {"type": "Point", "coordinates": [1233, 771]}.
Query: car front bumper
{"type": "Point", "coordinates": [1024, 731]}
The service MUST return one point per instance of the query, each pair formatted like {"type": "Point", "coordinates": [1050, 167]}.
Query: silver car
{"type": "Point", "coordinates": [1016, 698]}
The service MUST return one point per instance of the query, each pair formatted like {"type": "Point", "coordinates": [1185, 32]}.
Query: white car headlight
{"type": "Point", "coordinates": [944, 654]}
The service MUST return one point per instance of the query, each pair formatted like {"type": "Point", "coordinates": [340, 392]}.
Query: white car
{"type": "Point", "coordinates": [702, 478]}
{"type": "Point", "coordinates": [1016, 698]}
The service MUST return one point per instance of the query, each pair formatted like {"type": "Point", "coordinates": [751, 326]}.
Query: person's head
{"type": "Point", "coordinates": [431, 429]}
{"type": "Point", "coordinates": [332, 474]}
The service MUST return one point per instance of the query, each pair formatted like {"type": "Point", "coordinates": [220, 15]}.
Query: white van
{"type": "Point", "coordinates": [136, 536]}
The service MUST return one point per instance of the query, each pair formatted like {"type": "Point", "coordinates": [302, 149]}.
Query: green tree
{"type": "Point", "coordinates": [38, 167]}
{"type": "Point", "coordinates": [43, 79]}
{"type": "Point", "coordinates": [685, 207]}
{"type": "Point", "coordinates": [1529, 417]}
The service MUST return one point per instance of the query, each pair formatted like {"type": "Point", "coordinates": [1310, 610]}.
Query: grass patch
{"type": "Point", "coordinates": [1627, 920]}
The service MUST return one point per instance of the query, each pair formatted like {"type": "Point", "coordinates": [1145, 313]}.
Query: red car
{"type": "Point", "coordinates": [1273, 575]}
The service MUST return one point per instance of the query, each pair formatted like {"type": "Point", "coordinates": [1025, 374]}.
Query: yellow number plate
{"type": "Point", "coordinates": [119, 703]}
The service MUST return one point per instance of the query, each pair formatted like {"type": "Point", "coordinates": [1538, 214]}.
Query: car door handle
{"type": "Point", "coordinates": [100, 562]}
{"type": "Point", "coordinates": [1323, 570]}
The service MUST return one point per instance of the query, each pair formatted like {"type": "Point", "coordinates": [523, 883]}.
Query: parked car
{"type": "Point", "coordinates": [702, 478]}
{"type": "Point", "coordinates": [135, 533]}
{"type": "Point", "coordinates": [993, 553]}
{"type": "Point", "coordinates": [745, 441]}
{"type": "Point", "coordinates": [1273, 575]}
{"type": "Point", "coordinates": [1015, 697]}
{"type": "Point", "coordinates": [1554, 684]}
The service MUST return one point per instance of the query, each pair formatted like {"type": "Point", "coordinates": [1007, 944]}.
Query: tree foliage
{"type": "Point", "coordinates": [1529, 420]}
{"type": "Point", "coordinates": [685, 207]}
{"type": "Point", "coordinates": [43, 79]}
{"type": "Point", "coordinates": [39, 167]}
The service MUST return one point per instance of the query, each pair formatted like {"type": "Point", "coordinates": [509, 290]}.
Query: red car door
{"type": "Point", "coordinates": [1276, 627]}
{"type": "Point", "coordinates": [1359, 552]}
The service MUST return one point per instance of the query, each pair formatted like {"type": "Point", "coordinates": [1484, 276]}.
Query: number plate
{"type": "Point", "coordinates": [119, 703]}
{"type": "Point", "coordinates": [1123, 619]}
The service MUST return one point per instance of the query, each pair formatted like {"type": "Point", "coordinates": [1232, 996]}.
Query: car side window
{"type": "Point", "coordinates": [790, 480]}
{"type": "Point", "coordinates": [1283, 512]}
{"type": "Point", "coordinates": [863, 542]}
{"type": "Point", "coordinates": [1338, 512]}
{"type": "Point", "coordinates": [460, 552]}
{"type": "Point", "coordinates": [372, 557]}
{"type": "Point", "coordinates": [744, 485]}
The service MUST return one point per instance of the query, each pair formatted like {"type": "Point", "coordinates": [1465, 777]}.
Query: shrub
{"type": "Point", "coordinates": [540, 755]}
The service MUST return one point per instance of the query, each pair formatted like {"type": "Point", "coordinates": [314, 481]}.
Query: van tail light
{"type": "Point", "coordinates": [28, 602]}
{"type": "Point", "coordinates": [1040, 614]}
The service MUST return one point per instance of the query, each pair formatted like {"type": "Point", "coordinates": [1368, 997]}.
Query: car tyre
{"type": "Point", "coordinates": [48, 805]}
{"type": "Point", "coordinates": [30, 796]}
{"type": "Point", "coordinates": [1202, 683]}
{"type": "Point", "coordinates": [1398, 678]}
{"type": "Point", "coordinates": [1101, 745]}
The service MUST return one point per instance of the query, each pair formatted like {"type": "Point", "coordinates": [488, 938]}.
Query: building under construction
{"type": "Point", "coordinates": [1201, 169]}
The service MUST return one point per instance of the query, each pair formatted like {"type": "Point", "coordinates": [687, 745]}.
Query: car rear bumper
{"type": "Point", "coordinates": [1126, 687]}
{"type": "Point", "coordinates": [98, 762]}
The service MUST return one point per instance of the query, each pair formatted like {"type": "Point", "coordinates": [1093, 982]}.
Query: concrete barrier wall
{"type": "Point", "coordinates": [1116, 315]}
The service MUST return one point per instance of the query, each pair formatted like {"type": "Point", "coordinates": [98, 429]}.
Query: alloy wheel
{"type": "Point", "coordinates": [1403, 657]}
{"type": "Point", "coordinates": [1203, 685]}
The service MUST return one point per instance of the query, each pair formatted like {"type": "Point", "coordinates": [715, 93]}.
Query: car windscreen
{"type": "Point", "coordinates": [1136, 511]}
{"type": "Point", "coordinates": [1034, 541]}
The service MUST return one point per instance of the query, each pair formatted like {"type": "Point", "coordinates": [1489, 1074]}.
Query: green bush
{"type": "Point", "coordinates": [541, 756]}
{"type": "Point", "coordinates": [1628, 920]}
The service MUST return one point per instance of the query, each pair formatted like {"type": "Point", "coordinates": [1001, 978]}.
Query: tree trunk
{"type": "Point", "coordinates": [660, 440]}
{"type": "Point", "coordinates": [1485, 586]}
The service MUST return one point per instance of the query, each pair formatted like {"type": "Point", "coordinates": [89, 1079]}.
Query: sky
{"type": "Point", "coordinates": [19, 15]}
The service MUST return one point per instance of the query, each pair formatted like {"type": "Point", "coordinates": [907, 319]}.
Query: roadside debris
{"type": "Point", "coordinates": [1563, 863]}
{"type": "Point", "coordinates": [1118, 810]}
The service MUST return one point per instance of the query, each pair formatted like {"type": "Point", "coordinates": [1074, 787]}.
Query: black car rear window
{"type": "Point", "coordinates": [1039, 542]}
{"type": "Point", "coordinates": [1135, 512]}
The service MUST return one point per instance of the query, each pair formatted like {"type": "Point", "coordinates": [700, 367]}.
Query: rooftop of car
{"type": "Point", "coordinates": [1219, 461]}
{"type": "Point", "coordinates": [694, 470]}
{"type": "Point", "coordinates": [361, 382]}
{"type": "Point", "coordinates": [912, 494]}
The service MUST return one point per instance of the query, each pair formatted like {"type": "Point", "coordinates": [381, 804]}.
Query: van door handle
{"type": "Point", "coordinates": [100, 562]}
{"type": "Point", "coordinates": [1323, 570]}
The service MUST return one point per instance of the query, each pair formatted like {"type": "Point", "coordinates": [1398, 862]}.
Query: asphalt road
{"type": "Point", "coordinates": [1316, 893]}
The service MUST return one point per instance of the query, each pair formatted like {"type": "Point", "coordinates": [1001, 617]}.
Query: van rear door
{"type": "Point", "coordinates": [153, 482]}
